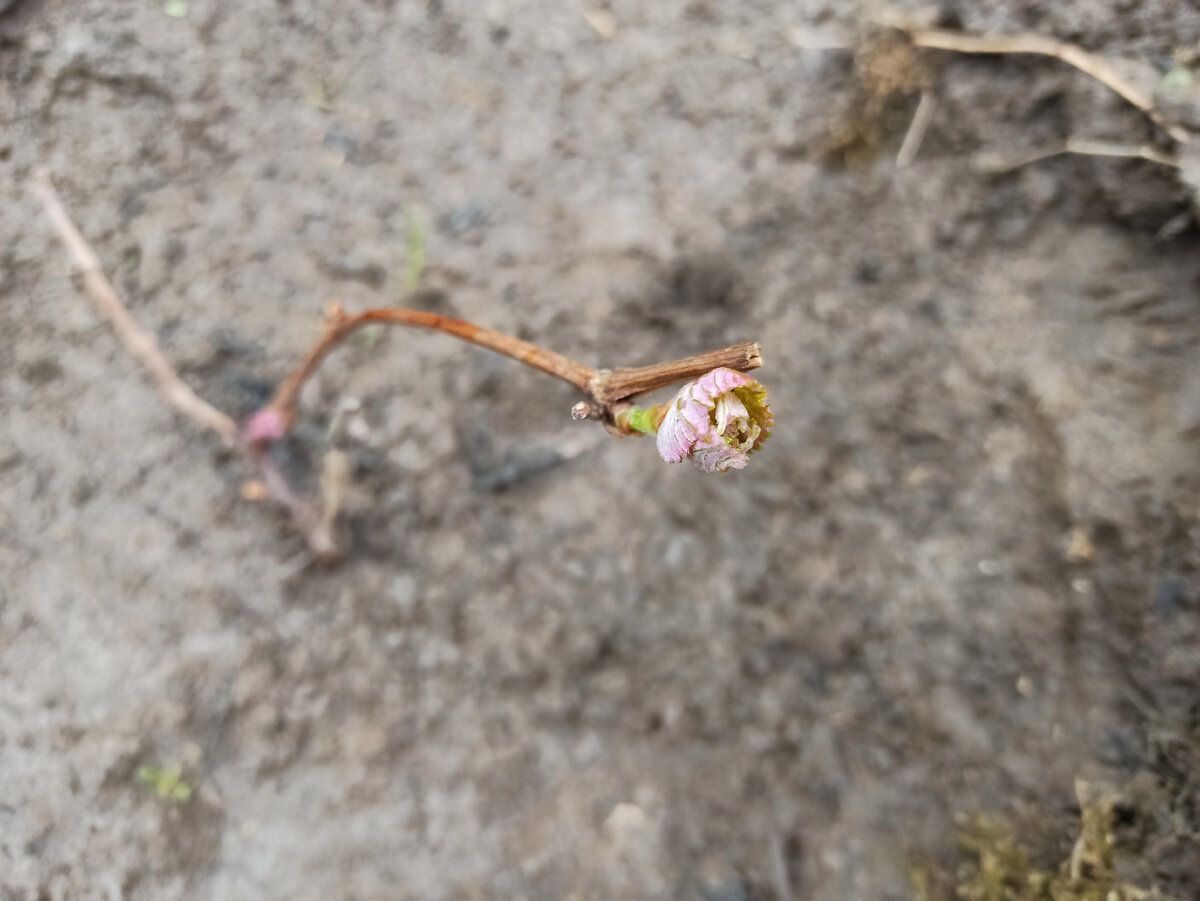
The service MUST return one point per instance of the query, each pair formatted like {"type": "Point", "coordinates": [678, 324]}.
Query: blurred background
{"type": "Point", "coordinates": [944, 627]}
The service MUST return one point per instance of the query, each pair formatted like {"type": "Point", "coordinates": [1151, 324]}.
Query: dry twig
{"type": "Point", "coordinates": [1095, 66]}
{"type": "Point", "coordinates": [916, 130]}
{"type": "Point", "coordinates": [142, 345]}
{"type": "Point", "coordinates": [137, 340]}
{"type": "Point", "coordinates": [606, 388]}
{"type": "Point", "coordinates": [997, 165]}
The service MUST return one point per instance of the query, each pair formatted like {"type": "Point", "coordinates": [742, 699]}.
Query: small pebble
{"type": "Point", "coordinates": [989, 567]}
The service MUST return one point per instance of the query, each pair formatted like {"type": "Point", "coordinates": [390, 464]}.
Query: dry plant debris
{"type": "Point", "coordinates": [887, 66]}
{"type": "Point", "coordinates": [1095, 66]}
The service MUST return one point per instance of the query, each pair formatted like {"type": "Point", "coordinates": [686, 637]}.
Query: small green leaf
{"type": "Point", "coordinates": [168, 782]}
{"type": "Point", "coordinates": [321, 95]}
{"type": "Point", "coordinates": [369, 335]}
{"type": "Point", "coordinates": [415, 263]}
{"type": "Point", "coordinates": [176, 9]}
{"type": "Point", "coordinates": [1177, 79]}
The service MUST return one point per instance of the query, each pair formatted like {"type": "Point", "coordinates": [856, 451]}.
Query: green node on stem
{"type": "Point", "coordinates": [638, 420]}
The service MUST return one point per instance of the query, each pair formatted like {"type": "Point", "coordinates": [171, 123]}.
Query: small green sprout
{"type": "Point", "coordinates": [323, 93]}
{"type": "Point", "coordinates": [1178, 79]}
{"type": "Point", "coordinates": [415, 262]}
{"type": "Point", "coordinates": [414, 266]}
{"type": "Point", "coordinates": [168, 782]}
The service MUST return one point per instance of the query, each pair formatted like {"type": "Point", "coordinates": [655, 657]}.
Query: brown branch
{"type": "Point", "coordinates": [1097, 67]}
{"type": "Point", "coordinates": [137, 340]}
{"type": "Point", "coordinates": [610, 386]}
{"type": "Point", "coordinates": [340, 325]}
{"type": "Point", "coordinates": [604, 387]}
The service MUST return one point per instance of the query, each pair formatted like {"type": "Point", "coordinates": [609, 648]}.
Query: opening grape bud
{"type": "Point", "coordinates": [717, 420]}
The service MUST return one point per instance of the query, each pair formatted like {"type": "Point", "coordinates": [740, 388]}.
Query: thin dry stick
{"type": "Point", "coordinates": [779, 869]}
{"type": "Point", "coordinates": [308, 520]}
{"type": "Point", "coordinates": [139, 342]}
{"type": "Point", "coordinates": [997, 165]}
{"type": "Point", "coordinates": [143, 346]}
{"type": "Point", "coordinates": [1095, 66]}
{"type": "Point", "coordinates": [916, 130]}
{"type": "Point", "coordinates": [339, 325]}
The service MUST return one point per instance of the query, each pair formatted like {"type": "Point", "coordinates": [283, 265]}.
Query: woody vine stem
{"type": "Point", "coordinates": [607, 392]}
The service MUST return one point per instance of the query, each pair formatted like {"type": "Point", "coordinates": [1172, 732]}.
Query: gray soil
{"type": "Point", "coordinates": [963, 573]}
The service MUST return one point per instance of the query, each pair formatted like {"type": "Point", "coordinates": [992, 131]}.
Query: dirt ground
{"type": "Point", "coordinates": [961, 580]}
